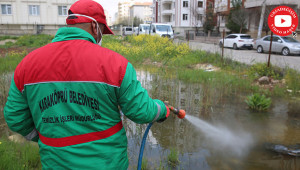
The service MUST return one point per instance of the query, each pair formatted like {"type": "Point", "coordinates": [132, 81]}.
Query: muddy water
{"type": "Point", "coordinates": [280, 125]}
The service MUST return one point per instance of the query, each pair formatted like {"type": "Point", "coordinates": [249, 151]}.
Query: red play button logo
{"type": "Point", "coordinates": [283, 20]}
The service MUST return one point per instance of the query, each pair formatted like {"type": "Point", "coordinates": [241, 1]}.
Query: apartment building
{"type": "Point", "coordinates": [124, 10]}
{"type": "Point", "coordinates": [33, 16]}
{"type": "Point", "coordinates": [181, 14]}
{"type": "Point", "coordinates": [142, 10]}
{"type": "Point", "coordinates": [253, 8]}
{"type": "Point", "coordinates": [108, 18]}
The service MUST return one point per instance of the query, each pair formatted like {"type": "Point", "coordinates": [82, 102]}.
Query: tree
{"type": "Point", "coordinates": [266, 16]}
{"type": "Point", "coordinates": [124, 21]}
{"type": "Point", "coordinates": [237, 18]}
{"type": "Point", "coordinates": [128, 22]}
{"type": "Point", "coordinates": [209, 20]}
{"type": "Point", "coordinates": [195, 20]}
{"type": "Point", "coordinates": [137, 21]}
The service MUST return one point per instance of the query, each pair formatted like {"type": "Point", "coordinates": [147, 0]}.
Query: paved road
{"type": "Point", "coordinates": [250, 56]}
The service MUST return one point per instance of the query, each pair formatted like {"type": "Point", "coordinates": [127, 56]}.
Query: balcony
{"type": "Point", "coordinates": [168, 12]}
{"type": "Point", "coordinates": [200, 11]}
{"type": "Point", "coordinates": [167, 1]}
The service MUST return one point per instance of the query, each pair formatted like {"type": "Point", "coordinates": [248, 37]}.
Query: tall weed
{"type": "Point", "coordinates": [19, 155]}
{"type": "Point", "coordinates": [293, 81]}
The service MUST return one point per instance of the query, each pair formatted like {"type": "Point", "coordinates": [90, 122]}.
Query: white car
{"type": "Point", "coordinates": [127, 31]}
{"type": "Point", "coordinates": [135, 30]}
{"type": "Point", "coordinates": [237, 41]}
{"type": "Point", "coordinates": [144, 29]}
{"type": "Point", "coordinates": [163, 30]}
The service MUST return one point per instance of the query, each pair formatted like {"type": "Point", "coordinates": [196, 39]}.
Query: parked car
{"type": "Point", "coordinates": [144, 29]}
{"type": "Point", "coordinates": [283, 45]}
{"type": "Point", "coordinates": [135, 30]}
{"type": "Point", "coordinates": [237, 41]}
{"type": "Point", "coordinates": [127, 31]}
{"type": "Point", "coordinates": [163, 30]}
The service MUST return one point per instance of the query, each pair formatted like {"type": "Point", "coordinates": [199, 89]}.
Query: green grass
{"type": "Point", "coordinates": [261, 69]}
{"type": "Point", "coordinates": [173, 157]}
{"type": "Point", "coordinates": [29, 41]}
{"type": "Point", "coordinates": [10, 61]}
{"type": "Point", "coordinates": [177, 61]}
{"type": "Point", "coordinates": [144, 164]}
{"type": "Point", "coordinates": [293, 81]}
{"type": "Point", "coordinates": [18, 155]}
{"type": "Point", "coordinates": [5, 37]}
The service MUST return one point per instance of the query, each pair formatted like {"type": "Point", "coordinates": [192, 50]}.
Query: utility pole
{"type": "Point", "coordinates": [261, 21]}
{"type": "Point", "coordinates": [156, 11]}
{"type": "Point", "coordinates": [270, 49]}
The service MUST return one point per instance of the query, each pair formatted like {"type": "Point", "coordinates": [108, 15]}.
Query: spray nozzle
{"type": "Point", "coordinates": [180, 113]}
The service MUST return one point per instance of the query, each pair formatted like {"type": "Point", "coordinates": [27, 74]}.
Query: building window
{"type": "Point", "coordinates": [62, 10]}
{"type": "Point", "coordinates": [6, 9]}
{"type": "Point", "coordinates": [34, 10]}
{"type": "Point", "coordinates": [199, 17]}
{"type": "Point", "coordinates": [185, 17]}
{"type": "Point", "coordinates": [200, 4]}
{"type": "Point", "coordinates": [185, 4]}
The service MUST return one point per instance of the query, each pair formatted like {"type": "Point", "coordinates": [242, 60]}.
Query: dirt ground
{"type": "Point", "coordinates": [5, 51]}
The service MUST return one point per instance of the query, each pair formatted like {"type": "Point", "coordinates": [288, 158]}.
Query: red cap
{"type": "Point", "coordinates": [89, 8]}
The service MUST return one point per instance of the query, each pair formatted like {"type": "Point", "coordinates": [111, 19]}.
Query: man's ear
{"type": "Point", "coordinates": [94, 28]}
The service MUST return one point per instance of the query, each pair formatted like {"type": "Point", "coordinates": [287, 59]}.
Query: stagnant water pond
{"type": "Point", "coordinates": [279, 125]}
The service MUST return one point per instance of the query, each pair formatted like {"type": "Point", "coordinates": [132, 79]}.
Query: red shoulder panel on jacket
{"type": "Point", "coordinates": [73, 60]}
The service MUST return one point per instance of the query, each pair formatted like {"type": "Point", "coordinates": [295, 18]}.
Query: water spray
{"type": "Point", "coordinates": [180, 114]}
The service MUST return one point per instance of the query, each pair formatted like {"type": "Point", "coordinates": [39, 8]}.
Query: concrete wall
{"type": "Point", "coordinates": [21, 29]}
{"type": "Point", "coordinates": [21, 22]}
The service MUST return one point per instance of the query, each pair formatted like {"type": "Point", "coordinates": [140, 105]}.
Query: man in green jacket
{"type": "Point", "coordinates": [67, 94]}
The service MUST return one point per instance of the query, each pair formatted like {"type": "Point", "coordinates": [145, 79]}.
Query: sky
{"type": "Point", "coordinates": [112, 5]}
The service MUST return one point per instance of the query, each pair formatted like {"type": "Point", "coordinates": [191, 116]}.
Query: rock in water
{"type": "Point", "coordinates": [293, 150]}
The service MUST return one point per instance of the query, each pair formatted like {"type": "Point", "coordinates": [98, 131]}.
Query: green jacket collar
{"type": "Point", "coordinates": [72, 33]}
